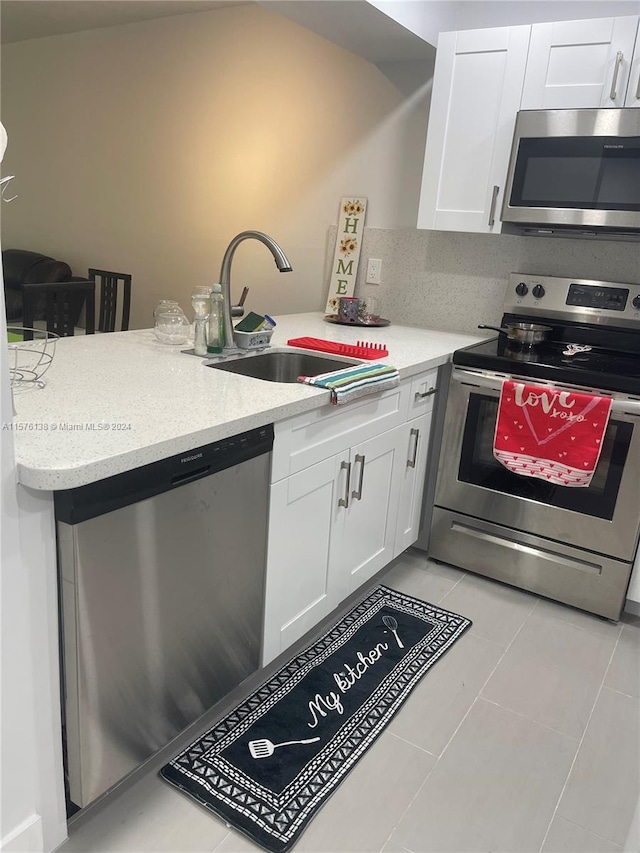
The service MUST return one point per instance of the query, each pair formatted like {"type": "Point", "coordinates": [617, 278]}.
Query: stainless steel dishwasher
{"type": "Point", "coordinates": [162, 574]}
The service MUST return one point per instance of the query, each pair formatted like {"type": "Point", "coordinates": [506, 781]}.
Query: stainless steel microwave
{"type": "Point", "coordinates": [575, 172]}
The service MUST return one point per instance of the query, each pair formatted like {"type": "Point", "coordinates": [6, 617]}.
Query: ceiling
{"type": "Point", "coordinates": [30, 19]}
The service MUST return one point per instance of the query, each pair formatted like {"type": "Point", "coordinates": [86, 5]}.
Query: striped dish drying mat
{"type": "Point", "coordinates": [353, 382]}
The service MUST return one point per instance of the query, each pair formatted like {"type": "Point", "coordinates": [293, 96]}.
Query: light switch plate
{"type": "Point", "coordinates": [374, 271]}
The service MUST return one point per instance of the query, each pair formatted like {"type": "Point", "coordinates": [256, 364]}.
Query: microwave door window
{"type": "Point", "coordinates": [620, 183]}
{"type": "Point", "coordinates": [550, 181]}
{"type": "Point", "coordinates": [479, 467]}
{"type": "Point", "coordinates": [595, 173]}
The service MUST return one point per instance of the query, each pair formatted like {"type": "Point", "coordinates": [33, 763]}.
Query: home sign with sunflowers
{"type": "Point", "coordinates": [347, 254]}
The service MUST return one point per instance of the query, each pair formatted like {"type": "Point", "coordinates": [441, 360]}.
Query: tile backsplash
{"type": "Point", "coordinates": [453, 281]}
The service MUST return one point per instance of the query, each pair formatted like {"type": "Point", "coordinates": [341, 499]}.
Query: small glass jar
{"type": "Point", "coordinates": [368, 311]}
{"type": "Point", "coordinates": [172, 328]}
{"type": "Point", "coordinates": [166, 306]}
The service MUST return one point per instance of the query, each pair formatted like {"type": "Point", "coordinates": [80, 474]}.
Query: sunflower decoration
{"type": "Point", "coordinates": [348, 245]}
{"type": "Point", "coordinates": [352, 208]}
{"type": "Point", "coordinates": [333, 304]}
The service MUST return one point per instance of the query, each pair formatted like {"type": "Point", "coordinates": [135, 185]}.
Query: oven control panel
{"type": "Point", "coordinates": [588, 296]}
{"type": "Point", "coordinates": [608, 303]}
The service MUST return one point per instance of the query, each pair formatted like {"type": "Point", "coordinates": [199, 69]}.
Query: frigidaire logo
{"type": "Point", "coordinates": [191, 458]}
{"type": "Point", "coordinates": [613, 146]}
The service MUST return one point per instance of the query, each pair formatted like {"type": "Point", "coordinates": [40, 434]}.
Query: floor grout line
{"type": "Point", "coordinates": [411, 743]}
{"type": "Point", "coordinates": [221, 842]}
{"type": "Point", "coordinates": [586, 729]}
{"type": "Point", "coordinates": [528, 719]}
{"type": "Point", "coordinates": [590, 831]}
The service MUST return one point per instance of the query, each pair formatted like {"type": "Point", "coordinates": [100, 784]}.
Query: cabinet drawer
{"type": "Point", "coordinates": [309, 438]}
{"type": "Point", "coordinates": [423, 393]}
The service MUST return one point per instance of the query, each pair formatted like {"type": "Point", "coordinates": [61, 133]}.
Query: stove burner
{"type": "Point", "coordinates": [522, 354]}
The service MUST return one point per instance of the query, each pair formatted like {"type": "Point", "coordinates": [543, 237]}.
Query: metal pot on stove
{"type": "Point", "coordinates": [524, 334]}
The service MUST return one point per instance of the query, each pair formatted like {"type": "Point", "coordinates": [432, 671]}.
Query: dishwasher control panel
{"type": "Point", "coordinates": [75, 505]}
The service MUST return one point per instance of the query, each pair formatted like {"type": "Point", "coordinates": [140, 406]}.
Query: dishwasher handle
{"type": "Point", "coordinates": [190, 476]}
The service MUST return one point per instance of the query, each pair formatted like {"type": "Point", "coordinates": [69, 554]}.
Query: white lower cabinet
{"type": "Point", "coordinates": [412, 475]}
{"type": "Point", "coordinates": [366, 537]}
{"type": "Point", "coordinates": [336, 523]}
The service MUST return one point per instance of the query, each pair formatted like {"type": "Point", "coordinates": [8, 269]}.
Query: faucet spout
{"type": "Point", "coordinates": [282, 262]}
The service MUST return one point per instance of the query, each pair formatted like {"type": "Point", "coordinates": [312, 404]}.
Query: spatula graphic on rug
{"type": "Point", "coordinates": [263, 748]}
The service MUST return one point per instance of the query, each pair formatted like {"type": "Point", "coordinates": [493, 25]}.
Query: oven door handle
{"type": "Point", "coordinates": [493, 382]}
{"type": "Point", "coordinates": [551, 556]}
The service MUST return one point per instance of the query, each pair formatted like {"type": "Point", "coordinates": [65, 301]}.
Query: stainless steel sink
{"type": "Point", "coordinates": [282, 365]}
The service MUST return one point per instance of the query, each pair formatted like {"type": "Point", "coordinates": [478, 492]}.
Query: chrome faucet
{"type": "Point", "coordinates": [282, 262]}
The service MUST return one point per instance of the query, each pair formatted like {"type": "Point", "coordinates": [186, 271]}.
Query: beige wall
{"type": "Point", "coordinates": [145, 148]}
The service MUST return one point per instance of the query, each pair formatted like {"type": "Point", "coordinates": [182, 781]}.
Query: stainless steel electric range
{"type": "Point", "coordinates": [574, 545]}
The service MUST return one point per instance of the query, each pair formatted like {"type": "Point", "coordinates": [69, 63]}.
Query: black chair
{"type": "Point", "coordinates": [107, 317]}
{"type": "Point", "coordinates": [21, 267]}
{"type": "Point", "coordinates": [64, 302]}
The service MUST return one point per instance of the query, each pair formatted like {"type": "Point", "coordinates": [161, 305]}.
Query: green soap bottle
{"type": "Point", "coordinates": [215, 327]}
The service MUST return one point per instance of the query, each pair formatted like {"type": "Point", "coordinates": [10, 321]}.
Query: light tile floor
{"type": "Point", "coordinates": [524, 737]}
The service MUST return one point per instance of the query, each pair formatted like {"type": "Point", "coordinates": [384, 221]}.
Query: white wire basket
{"type": "Point", "coordinates": [29, 360]}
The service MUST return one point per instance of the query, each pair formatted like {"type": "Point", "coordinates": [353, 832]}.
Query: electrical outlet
{"type": "Point", "coordinates": [374, 271]}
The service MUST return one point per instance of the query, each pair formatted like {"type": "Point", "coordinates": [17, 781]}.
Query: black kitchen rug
{"type": "Point", "coordinates": [269, 765]}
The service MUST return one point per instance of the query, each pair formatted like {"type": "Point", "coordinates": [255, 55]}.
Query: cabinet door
{"type": "Point", "coordinates": [412, 468]}
{"type": "Point", "coordinates": [633, 87]}
{"type": "Point", "coordinates": [579, 64]}
{"type": "Point", "coordinates": [476, 94]}
{"type": "Point", "coordinates": [366, 544]}
{"type": "Point", "coordinates": [303, 518]}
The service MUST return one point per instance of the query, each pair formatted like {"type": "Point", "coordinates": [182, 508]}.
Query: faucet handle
{"type": "Point", "coordinates": [238, 310]}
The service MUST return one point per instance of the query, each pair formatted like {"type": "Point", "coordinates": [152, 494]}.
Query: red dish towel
{"type": "Point", "coordinates": [549, 433]}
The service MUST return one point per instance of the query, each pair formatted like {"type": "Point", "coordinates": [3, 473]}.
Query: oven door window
{"type": "Point", "coordinates": [583, 173]}
{"type": "Point", "coordinates": [479, 467]}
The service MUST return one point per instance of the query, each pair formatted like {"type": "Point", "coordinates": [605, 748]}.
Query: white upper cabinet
{"type": "Point", "coordinates": [581, 65]}
{"type": "Point", "coordinates": [633, 87]}
{"type": "Point", "coordinates": [477, 89]}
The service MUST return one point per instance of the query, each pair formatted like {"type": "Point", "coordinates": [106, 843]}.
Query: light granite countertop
{"type": "Point", "coordinates": [118, 401]}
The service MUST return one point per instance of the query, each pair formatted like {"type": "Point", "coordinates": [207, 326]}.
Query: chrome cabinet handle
{"type": "Point", "coordinates": [422, 395]}
{"type": "Point", "coordinates": [357, 494]}
{"type": "Point", "coordinates": [638, 87]}
{"type": "Point", "coordinates": [411, 463]}
{"type": "Point", "coordinates": [614, 82]}
{"type": "Point", "coordinates": [345, 500]}
{"type": "Point", "coordinates": [492, 209]}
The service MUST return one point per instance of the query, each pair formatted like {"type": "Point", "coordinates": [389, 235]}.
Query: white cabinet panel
{"type": "Point", "coordinates": [633, 87]}
{"type": "Point", "coordinates": [579, 64]}
{"type": "Point", "coordinates": [305, 439]}
{"type": "Point", "coordinates": [411, 475]}
{"type": "Point", "coordinates": [373, 507]}
{"type": "Point", "coordinates": [633, 593]}
{"type": "Point", "coordinates": [477, 89]}
{"type": "Point", "coordinates": [302, 521]}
